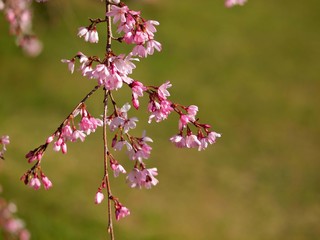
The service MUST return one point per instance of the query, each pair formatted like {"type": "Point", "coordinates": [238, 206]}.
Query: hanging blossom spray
{"type": "Point", "coordinates": [111, 72]}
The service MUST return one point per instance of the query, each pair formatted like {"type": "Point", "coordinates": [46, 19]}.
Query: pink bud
{"type": "Point", "coordinates": [35, 183]}
{"type": "Point", "coordinates": [99, 197]}
{"type": "Point", "coordinates": [49, 139]}
{"type": "Point", "coordinates": [64, 148]}
{"type": "Point", "coordinates": [46, 182]}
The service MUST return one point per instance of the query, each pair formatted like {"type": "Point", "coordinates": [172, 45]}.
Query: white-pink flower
{"type": "Point", "coordinates": [70, 64]}
{"type": "Point", "coordinates": [35, 183]}
{"type": "Point", "coordinates": [153, 44]}
{"type": "Point", "coordinates": [163, 93]}
{"type": "Point", "coordinates": [231, 3]}
{"type": "Point", "coordinates": [135, 178]}
{"type": "Point", "coordinates": [179, 141]}
{"type": "Point", "coordinates": [98, 197]}
{"type": "Point", "coordinates": [121, 211]}
{"type": "Point", "coordinates": [118, 13]}
{"type": "Point", "coordinates": [159, 111]}
{"type": "Point", "coordinates": [192, 141]}
{"type": "Point", "coordinates": [89, 35]}
{"type": "Point", "coordinates": [149, 177]}
{"type": "Point", "coordinates": [140, 50]}
{"type": "Point", "coordinates": [192, 112]}
{"type": "Point", "coordinates": [212, 136]}
{"type": "Point", "coordinates": [117, 169]}
{"type": "Point", "coordinates": [46, 182]}
{"type": "Point", "coordinates": [144, 178]}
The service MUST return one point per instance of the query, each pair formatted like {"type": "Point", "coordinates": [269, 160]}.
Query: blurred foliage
{"type": "Point", "coordinates": [253, 73]}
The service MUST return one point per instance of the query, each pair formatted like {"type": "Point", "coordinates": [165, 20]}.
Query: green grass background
{"type": "Point", "coordinates": [254, 73]}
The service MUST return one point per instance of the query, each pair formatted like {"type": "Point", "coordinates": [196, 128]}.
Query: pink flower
{"type": "Point", "coordinates": [89, 35]}
{"type": "Point", "coordinates": [212, 136]}
{"type": "Point", "coordinates": [183, 121]}
{"type": "Point", "coordinates": [118, 146]}
{"type": "Point", "coordinates": [149, 176]}
{"type": "Point", "coordinates": [35, 183]}
{"type": "Point", "coordinates": [231, 3]}
{"type": "Point", "coordinates": [153, 44]}
{"type": "Point", "coordinates": [140, 50]}
{"type": "Point", "coordinates": [93, 36]}
{"type": "Point", "coordinates": [144, 178]}
{"type": "Point", "coordinates": [82, 31]}
{"type": "Point", "coordinates": [1, 5]}
{"type": "Point", "coordinates": [122, 121]}
{"type": "Point", "coordinates": [192, 112]}
{"type": "Point", "coordinates": [31, 46]}
{"type": "Point", "coordinates": [118, 13]}
{"type": "Point", "coordinates": [77, 134]}
{"type": "Point", "coordinates": [124, 64]}
{"type": "Point", "coordinates": [121, 211]}
{"type": "Point", "coordinates": [70, 64]}
{"type": "Point", "coordinates": [99, 197]}
{"type": "Point", "coordinates": [162, 90]}
{"type": "Point", "coordinates": [117, 168]}
{"type": "Point", "coordinates": [4, 140]}
{"type": "Point", "coordinates": [178, 141]}
{"type": "Point", "coordinates": [135, 178]}
{"type": "Point", "coordinates": [150, 26]}
{"type": "Point", "coordinates": [159, 111]}
{"type": "Point", "coordinates": [46, 182]}
{"type": "Point", "coordinates": [192, 141]}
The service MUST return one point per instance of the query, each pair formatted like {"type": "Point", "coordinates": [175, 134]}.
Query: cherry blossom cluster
{"type": "Point", "coordinates": [136, 30]}
{"type": "Point", "coordinates": [4, 141]}
{"type": "Point", "coordinates": [11, 227]}
{"type": "Point", "coordinates": [19, 15]}
{"type": "Point", "coordinates": [231, 3]}
{"type": "Point", "coordinates": [69, 131]}
{"type": "Point", "coordinates": [112, 72]}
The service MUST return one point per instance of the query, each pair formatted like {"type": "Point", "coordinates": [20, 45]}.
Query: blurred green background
{"type": "Point", "coordinates": [254, 73]}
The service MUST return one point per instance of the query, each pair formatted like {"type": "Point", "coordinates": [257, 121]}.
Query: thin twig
{"type": "Point", "coordinates": [105, 142]}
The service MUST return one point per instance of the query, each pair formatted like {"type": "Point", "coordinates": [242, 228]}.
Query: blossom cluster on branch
{"type": "Point", "coordinates": [110, 73]}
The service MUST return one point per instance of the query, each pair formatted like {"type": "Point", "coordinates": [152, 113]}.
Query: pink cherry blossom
{"type": "Point", "coordinates": [162, 90]}
{"type": "Point", "coordinates": [4, 140]}
{"type": "Point", "coordinates": [140, 50]}
{"type": "Point", "coordinates": [117, 169]}
{"type": "Point", "coordinates": [183, 121]}
{"type": "Point", "coordinates": [149, 177]}
{"type": "Point", "coordinates": [70, 64]}
{"type": "Point", "coordinates": [118, 145]}
{"type": "Point", "coordinates": [192, 112]}
{"type": "Point", "coordinates": [118, 13]}
{"type": "Point", "coordinates": [192, 141]}
{"type": "Point", "coordinates": [179, 141]}
{"type": "Point", "coordinates": [121, 211]}
{"type": "Point", "coordinates": [124, 64]}
{"type": "Point", "coordinates": [212, 136]}
{"type": "Point", "coordinates": [231, 3]}
{"type": "Point", "coordinates": [150, 26]}
{"type": "Point", "coordinates": [153, 44]}
{"type": "Point", "coordinates": [159, 111]}
{"type": "Point", "coordinates": [46, 182]}
{"type": "Point", "coordinates": [135, 178]}
{"type": "Point", "coordinates": [35, 183]}
{"type": "Point", "coordinates": [89, 35]}
{"type": "Point", "coordinates": [122, 121]}
{"type": "Point", "coordinates": [144, 178]}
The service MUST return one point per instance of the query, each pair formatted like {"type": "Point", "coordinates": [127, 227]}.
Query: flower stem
{"type": "Point", "coordinates": [105, 142]}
